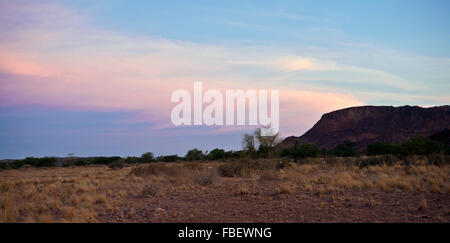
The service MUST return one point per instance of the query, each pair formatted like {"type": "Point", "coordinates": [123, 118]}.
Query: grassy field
{"type": "Point", "coordinates": [263, 190]}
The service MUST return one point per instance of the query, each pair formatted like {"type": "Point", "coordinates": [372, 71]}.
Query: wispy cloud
{"type": "Point", "coordinates": [74, 64]}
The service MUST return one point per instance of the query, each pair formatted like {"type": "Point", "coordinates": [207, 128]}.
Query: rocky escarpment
{"type": "Point", "coordinates": [369, 124]}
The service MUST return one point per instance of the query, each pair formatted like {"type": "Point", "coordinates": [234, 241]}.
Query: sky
{"type": "Point", "coordinates": [94, 78]}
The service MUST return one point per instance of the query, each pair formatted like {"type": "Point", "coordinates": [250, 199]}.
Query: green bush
{"type": "Point", "coordinates": [118, 164]}
{"type": "Point", "coordinates": [387, 159]}
{"type": "Point", "coordinates": [421, 146]}
{"type": "Point", "coordinates": [81, 162]}
{"type": "Point", "coordinates": [345, 149]}
{"type": "Point", "coordinates": [132, 160]}
{"type": "Point", "coordinates": [381, 148]}
{"type": "Point", "coordinates": [147, 157]}
{"type": "Point", "coordinates": [302, 151]}
{"type": "Point", "coordinates": [231, 169]}
{"type": "Point", "coordinates": [194, 154]}
{"type": "Point", "coordinates": [40, 162]}
{"type": "Point", "coordinates": [437, 159]}
{"type": "Point", "coordinates": [247, 167]}
{"type": "Point", "coordinates": [103, 160]}
{"type": "Point", "coordinates": [216, 154]}
{"type": "Point", "coordinates": [168, 158]}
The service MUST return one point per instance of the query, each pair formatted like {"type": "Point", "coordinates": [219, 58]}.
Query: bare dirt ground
{"type": "Point", "coordinates": [184, 192]}
{"type": "Point", "coordinates": [224, 203]}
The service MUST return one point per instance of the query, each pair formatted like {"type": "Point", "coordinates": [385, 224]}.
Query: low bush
{"type": "Point", "coordinates": [103, 160]}
{"type": "Point", "coordinates": [151, 190]}
{"type": "Point", "coordinates": [205, 177]}
{"type": "Point", "coordinates": [119, 164]}
{"type": "Point", "coordinates": [301, 151]}
{"type": "Point", "coordinates": [168, 158]}
{"type": "Point", "coordinates": [216, 154]}
{"type": "Point", "coordinates": [194, 154]}
{"type": "Point", "coordinates": [381, 148]}
{"type": "Point", "coordinates": [248, 167]}
{"type": "Point", "coordinates": [147, 157]}
{"type": "Point", "coordinates": [158, 169]}
{"type": "Point", "coordinates": [421, 146]}
{"type": "Point", "coordinates": [438, 159]}
{"type": "Point", "coordinates": [345, 149]}
{"type": "Point", "coordinates": [387, 159]}
{"type": "Point", "coordinates": [133, 160]}
{"type": "Point", "coordinates": [231, 169]}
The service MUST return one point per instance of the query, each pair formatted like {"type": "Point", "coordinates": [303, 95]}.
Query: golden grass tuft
{"type": "Point", "coordinates": [286, 188]}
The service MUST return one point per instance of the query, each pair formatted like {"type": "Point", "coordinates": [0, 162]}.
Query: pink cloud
{"type": "Point", "coordinates": [89, 68]}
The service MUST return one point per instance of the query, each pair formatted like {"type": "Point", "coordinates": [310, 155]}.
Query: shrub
{"type": "Point", "coordinates": [421, 146]}
{"type": "Point", "coordinates": [119, 164]}
{"type": "Point", "coordinates": [238, 154]}
{"type": "Point", "coordinates": [205, 177]}
{"type": "Point", "coordinates": [231, 169]}
{"type": "Point", "coordinates": [381, 148]}
{"type": "Point", "coordinates": [345, 149]}
{"type": "Point", "coordinates": [40, 162]}
{"type": "Point", "coordinates": [103, 160]}
{"type": "Point", "coordinates": [17, 164]}
{"type": "Point", "coordinates": [216, 154]}
{"type": "Point", "coordinates": [150, 190]}
{"type": "Point", "coordinates": [437, 159]}
{"type": "Point", "coordinates": [302, 151]}
{"type": "Point", "coordinates": [269, 175]}
{"type": "Point", "coordinates": [132, 160]}
{"type": "Point", "coordinates": [263, 151]}
{"type": "Point", "coordinates": [157, 169]}
{"type": "Point", "coordinates": [5, 165]}
{"type": "Point", "coordinates": [168, 158]}
{"type": "Point", "coordinates": [387, 159]}
{"type": "Point", "coordinates": [194, 154]}
{"type": "Point", "coordinates": [247, 167]}
{"type": "Point", "coordinates": [81, 162]}
{"type": "Point", "coordinates": [147, 157]}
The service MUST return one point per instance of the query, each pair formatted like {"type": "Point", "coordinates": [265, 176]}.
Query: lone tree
{"type": "Point", "coordinates": [264, 144]}
{"type": "Point", "coordinates": [266, 141]}
{"type": "Point", "coordinates": [248, 143]}
{"type": "Point", "coordinates": [147, 157]}
{"type": "Point", "coordinates": [194, 154]}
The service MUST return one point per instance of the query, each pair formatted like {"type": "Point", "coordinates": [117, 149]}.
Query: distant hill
{"type": "Point", "coordinates": [442, 136]}
{"type": "Point", "coordinates": [369, 124]}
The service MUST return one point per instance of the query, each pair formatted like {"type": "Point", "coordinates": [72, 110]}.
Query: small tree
{"type": "Point", "coordinates": [266, 141]}
{"type": "Point", "coordinates": [302, 151]}
{"type": "Point", "coordinates": [147, 157]}
{"type": "Point", "coordinates": [345, 149]}
{"type": "Point", "coordinates": [421, 146]}
{"type": "Point", "coordinates": [248, 143]}
{"type": "Point", "coordinates": [216, 154]}
{"type": "Point", "coordinates": [381, 148]}
{"type": "Point", "coordinates": [194, 154]}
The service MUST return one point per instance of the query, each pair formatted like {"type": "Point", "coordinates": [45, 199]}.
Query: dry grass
{"type": "Point", "coordinates": [243, 189]}
{"type": "Point", "coordinates": [151, 190]}
{"type": "Point", "coordinates": [419, 178]}
{"type": "Point", "coordinates": [423, 204]}
{"type": "Point", "coordinates": [286, 188]}
{"type": "Point", "coordinates": [76, 194]}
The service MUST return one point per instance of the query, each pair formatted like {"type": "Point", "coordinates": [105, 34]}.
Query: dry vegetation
{"type": "Point", "coordinates": [242, 191]}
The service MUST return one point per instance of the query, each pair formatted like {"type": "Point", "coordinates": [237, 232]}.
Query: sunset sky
{"type": "Point", "coordinates": [95, 77]}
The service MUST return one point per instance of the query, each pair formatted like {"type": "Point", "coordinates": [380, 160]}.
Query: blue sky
{"type": "Point", "coordinates": [95, 77]}
{"type": "Point", "coordinates": [415, 26]}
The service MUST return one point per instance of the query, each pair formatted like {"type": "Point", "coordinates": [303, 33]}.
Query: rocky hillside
{"type": "Point", "coordinates": [369, 124]}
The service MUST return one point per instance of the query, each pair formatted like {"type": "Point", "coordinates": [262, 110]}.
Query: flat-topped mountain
{"type": "Point", "coordinates": [369, 124]}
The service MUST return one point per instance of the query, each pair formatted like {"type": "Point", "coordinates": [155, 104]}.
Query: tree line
{"type": "Point", "coordinates": [254, 146]}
